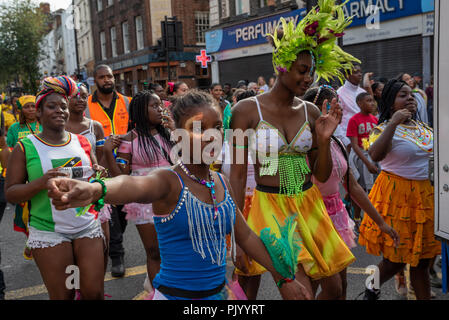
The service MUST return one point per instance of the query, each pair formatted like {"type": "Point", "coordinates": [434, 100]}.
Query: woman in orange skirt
{"type": "Point", "coordinates": [402, 193]}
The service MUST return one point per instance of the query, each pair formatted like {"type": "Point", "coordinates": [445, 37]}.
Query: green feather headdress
{"type": "Point", "coordinates": [316, 33]}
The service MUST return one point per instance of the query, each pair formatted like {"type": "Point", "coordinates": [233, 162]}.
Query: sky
{"type": "Point", "coordinates": [54, 4]}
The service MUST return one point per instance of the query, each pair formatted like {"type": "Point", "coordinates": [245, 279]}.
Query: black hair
{"type": "Point", "coordinates": [375, 85]}
{"type": "Point", "coordinates": [101, 66]}
{"type": "Point", "coordinates": [360, 97]}
{"type": "Point", "coordinates": [139, 120]}
{"type": "Point", "coordinates": [175, 87]}
{"type": "Point", "coordinates": [192, 100]}
{"type": "Point", "coordinates": [153, 86]}
{"type": "Point", "coordinates": [213, 85]}
{"type": "Point", "coordinates": [383, 80]}
{"type": "Point", "coordinates": [325, 93]}
{"type": "Point", "coordinates": [389, 94]}
{"type": "Point", "coordinates": [245, 94]}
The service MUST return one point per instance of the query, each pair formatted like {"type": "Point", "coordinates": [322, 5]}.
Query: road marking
{"type": "Point", "coordinates": [130, 272]}
{"type": "Point", "coordinates": [40, 289]}
{"type": "Point", "coordinates": [358, 271]}
{"type": "Point", "coordinates": [141, 296]}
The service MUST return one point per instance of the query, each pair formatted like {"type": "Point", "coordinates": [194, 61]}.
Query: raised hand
{"type": "Point", "coordinates": [112, 142]}
{"type": "Point", "coordinates": [326, 124]}
{"type": "Point", "coordinates": [401, 116]}
{"type": "Point", "coordinates": [70, 193]}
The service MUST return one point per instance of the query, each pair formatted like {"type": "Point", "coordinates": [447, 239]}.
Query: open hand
{"type": "Point", "coordinates": [326, 124]}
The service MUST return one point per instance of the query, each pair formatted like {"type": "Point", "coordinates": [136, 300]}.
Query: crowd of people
{"type": "Point", "coordinates": [80, 166]}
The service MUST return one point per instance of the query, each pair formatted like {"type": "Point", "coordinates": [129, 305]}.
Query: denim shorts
{"type": "Point", "coordinates": [38, 239]}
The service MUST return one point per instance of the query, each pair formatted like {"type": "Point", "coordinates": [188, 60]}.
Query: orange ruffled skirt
{"type": "Point", "coordinates": [323, 252]}
{"type": "Point", "coordinates": [408, 207]}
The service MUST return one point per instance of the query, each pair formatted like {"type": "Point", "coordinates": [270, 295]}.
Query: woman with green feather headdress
{"type": "Point", "coordinates": [292, 141]}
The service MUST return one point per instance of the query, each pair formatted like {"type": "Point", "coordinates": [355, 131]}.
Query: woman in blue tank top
{"type": "Point", "coordinates": [194, 210]}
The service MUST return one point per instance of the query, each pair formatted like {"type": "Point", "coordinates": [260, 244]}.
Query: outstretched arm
{"type": "Point", "coordinates": [70, 193]}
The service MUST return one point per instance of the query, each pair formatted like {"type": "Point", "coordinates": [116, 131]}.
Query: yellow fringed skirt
{"type": "Point", "coordinates": [407, 206]}
{"type": "Point", "coordinates": [323, 252]}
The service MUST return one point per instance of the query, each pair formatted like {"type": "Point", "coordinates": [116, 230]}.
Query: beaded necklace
{"type": "Point", "coordinates": [209, 184]}
{"type": "Point", "coordinates": [419, 134]}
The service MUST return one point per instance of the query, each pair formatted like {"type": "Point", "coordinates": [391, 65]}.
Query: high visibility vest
{"type": "Point", "coordinates": [119, 123]}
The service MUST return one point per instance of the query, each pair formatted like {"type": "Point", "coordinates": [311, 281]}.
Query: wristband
{"type": "Point", "coordinates": [281, 282]}
{"type": "Point", "coordinates": [100, 143]}
{"type": "Point", "coordinates": [99, 204]}
{"type": "Point", "coordinates": [121, 161]}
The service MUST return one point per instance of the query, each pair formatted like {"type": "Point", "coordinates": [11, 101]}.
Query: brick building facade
{"type": "Point", "coordinates": [126, 35]}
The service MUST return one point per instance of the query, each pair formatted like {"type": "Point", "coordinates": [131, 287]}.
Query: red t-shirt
{"type": "Point", "coordinates": [360, 126]}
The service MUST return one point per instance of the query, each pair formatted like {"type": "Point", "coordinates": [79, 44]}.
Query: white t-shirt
{"type": "Point", "coordinates": [409, 156]}
{"type": "Point", "coordinates": [347, 95]}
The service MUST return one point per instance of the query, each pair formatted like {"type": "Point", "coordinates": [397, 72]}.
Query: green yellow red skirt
{"type": "Point", "coordinates": [408, 207]}
{"type": "Point", "coordinates": [323, 252]}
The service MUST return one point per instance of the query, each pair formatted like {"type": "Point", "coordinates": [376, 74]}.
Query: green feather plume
{"type": "Point", "coordinates": [317, 33]}
{"type": "Point", "coordinates": [284, 250]}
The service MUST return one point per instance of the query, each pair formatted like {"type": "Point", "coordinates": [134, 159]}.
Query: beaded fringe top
{"type": "Point", "coordinates": [206, 241]}
{"type": "Point", "coordinates": [293, 169]}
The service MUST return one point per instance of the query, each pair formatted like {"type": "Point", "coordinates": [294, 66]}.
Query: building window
{"type": "Point", "coordinates": [241, 7]}
{"type": "Point", "coordinates": [99, 5]}
{"type": "Point", "coordinates": [225, 9]}
{"type": "Point", "coordinates": [125, 37]}
{"type": "Point", "coordinates": [201, 25]}
{"type": "Point", "coordinates": [110, 3]}
{"type": "Point", "coordinates": [114, 42]}
{"type": "Point", "coordinates": [103, 45]}
{"type": "Point", "coordinates": [139, 32]}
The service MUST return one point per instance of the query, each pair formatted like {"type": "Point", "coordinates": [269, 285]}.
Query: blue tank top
{"type": "Point", "coordinates": [192, 244]}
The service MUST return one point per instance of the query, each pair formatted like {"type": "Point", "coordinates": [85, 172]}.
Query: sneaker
{"type": "Point", "coordinates": [400, 285]}
{"type": "Point", "coordinates": [371, 294]}
{"type": "Point", "coordinates": [118, 267]}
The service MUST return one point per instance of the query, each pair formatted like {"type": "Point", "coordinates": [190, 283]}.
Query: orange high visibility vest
{"type": "Point", "coordinates": [119, 123]}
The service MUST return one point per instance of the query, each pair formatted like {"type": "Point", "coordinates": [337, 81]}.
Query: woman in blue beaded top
{"type": "Point", "coordinates": [194, 210]}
